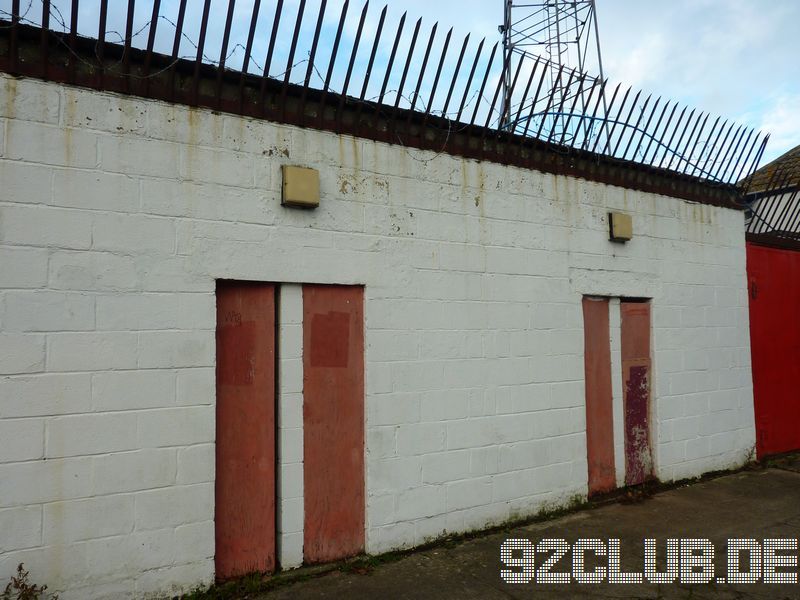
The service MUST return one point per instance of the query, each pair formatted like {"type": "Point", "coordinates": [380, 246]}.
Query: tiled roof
{"type": "Point", "coordinates": [783, 171]}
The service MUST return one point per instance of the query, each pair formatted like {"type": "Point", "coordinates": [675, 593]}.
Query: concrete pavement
{"type": "Point", "coordinates": [759, 504]}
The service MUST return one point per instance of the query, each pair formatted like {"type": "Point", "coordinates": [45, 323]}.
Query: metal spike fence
{"type": "Point", "coordinates": [383, 68]}
{"type": "Point", "coordinates": [773, 204]}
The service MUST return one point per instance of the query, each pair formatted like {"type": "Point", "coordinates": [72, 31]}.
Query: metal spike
{"type": "Point", "coordinates": [293, 47]}
{"type": "Point", "coordinates": [126, 47]}
{"type": "Point", "coordinates": [311, 57]}
{"type": "Point", "coordinates": [721, 164]}
{"type": "Point", "coordinates": [588, 129]}
{"type": "Point", "coordinates": [535, 98]}
{"type": "Point", "coordinates": [549, 101]}
{"type": "Point", "coordinates": [415, 97]}
{"type": "Point", "coordinates": [617, 121]}
{"type": "Point", "coordinates": [643, 131]}
{"type": "Point", "coordinates": [668, 146]}
{"type": "Point", "coordinates": [469, 80]}
{"type": "Point", "coordinates": [725, 173]}
{"type": "Point", "coordinates": [13, 43]}
{"type": "Point", "coordinates": [200, 47]}
{"type": "Point", "coordinates": [740, 156]}
{"type": "Point", "coordinates": [746, 160]}
{"type": "Point", "coordinates": [313, 54]}
{"type": "Point", "coordinates": [491, 108]}
{"type": "Point", "coordinates": [755, 162]}
{"type": "Point", "coordinates": [689, 154]}
{"type": "Point", "coordinates": [586, 102]}
{"type": "Point", "coordinates": [604, 122]}
{"type": "Point", "coordinates": [248, 49]}
{"type": "Point", "coordinates": [276, 21]}
{"type": "Point", "coordinates": [501, 127]}
{"type": "Point", "coordinates": [223, 54]}
{"type": "Point", "coordinates": [681, 154]}
{"type": "Point", "coordinates": [73, 38]}
{"type": "Point", "coordinates": [561, 104]}
{"type": "Point", "coordinates": [455, 76]}
{"type": "Point", "coordinates": [711, 151]}
{"type": "Point", "coordinates": [408, 63]}
{"type": "Point", "coordinates": [483, 84]}
{"type": "Point", "coordinates": [438, 74]}
{"type": "Point", "coordinates": [332, 63]}
{"type": "Point", "coordinates": [101, 42]}
{"type": "Point", "coordinates": [372, 55]}
{"type": "Point", "coordinates": [151, 40]}
{"type": "Point", "coordinates": [578, 94]}
{"type": "Point", "coordinates": [513, 123]}
{"type": "Point", "coordinates": [676, 151]}
{"type": "Point", "coordinates": [45, 38]}
{"type": "Point", "coordinates": [652, 137]}
{"type": "Point", "coordinates": [353, 54]}
{"type": "Point", "coordinates": [635, 129]}
{"type": "Point", "coordinates": [176, 46]}
{"type": "Point", "coordinates": [391, 60]}
{"type": "Point", "coordinates": [696, 167]}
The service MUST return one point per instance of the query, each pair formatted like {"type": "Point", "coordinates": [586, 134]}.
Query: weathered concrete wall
{"type": "Point", "coordinates": [116, 217]}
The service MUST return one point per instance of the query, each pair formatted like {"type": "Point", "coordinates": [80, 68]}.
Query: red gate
{"type": "Point", "coordinates": [774, 287]}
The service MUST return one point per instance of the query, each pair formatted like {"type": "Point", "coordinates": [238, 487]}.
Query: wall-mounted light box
{"type": "Point", "coordinates": [300, 187]}
{"type": "Point", "coordinates": [620, 227]}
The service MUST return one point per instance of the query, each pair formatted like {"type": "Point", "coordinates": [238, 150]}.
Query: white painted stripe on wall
{"type": "Point", "coordinates": [615, 327]}
{"type": "Point", "coordinates": [290, 426]}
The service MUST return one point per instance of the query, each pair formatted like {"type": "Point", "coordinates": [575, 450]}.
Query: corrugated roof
{"type": "Point", "coordinates": [784, 171]}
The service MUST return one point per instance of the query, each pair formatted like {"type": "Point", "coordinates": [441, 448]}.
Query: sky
{"type": "Point", "coordinates": [736, 58]}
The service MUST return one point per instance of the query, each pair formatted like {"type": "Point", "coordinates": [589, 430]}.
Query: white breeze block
{"type": "Point", "coordinates": [117, 217]}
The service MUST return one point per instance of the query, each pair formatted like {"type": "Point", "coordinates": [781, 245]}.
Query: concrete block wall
{"type": "Point", "coordinates": [117, 215]}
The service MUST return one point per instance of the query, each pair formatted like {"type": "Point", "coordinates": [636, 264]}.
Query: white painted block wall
{"type": "Point", "coordinates": [118, 214]}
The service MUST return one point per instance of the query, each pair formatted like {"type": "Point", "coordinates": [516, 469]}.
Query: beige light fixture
{"type": "Point", "coordinates": [300, 187]}
{"type": "Point", "coordinates": [620, 227]}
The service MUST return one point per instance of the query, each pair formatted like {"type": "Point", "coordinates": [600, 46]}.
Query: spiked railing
{"type": "Point", "coordinates": [329, 69]}
{"type": "Point", "coordinates": [773, 204]}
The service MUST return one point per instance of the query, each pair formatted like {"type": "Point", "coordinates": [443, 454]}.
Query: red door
{"type": "Point", "coordinates": [774, 278]}
{"type": "Point", "coordinates": [333, 421]}
{"type": "Point", "coordinates": [245, 451]}
{"type": "Point", "coordinates": [599, 415]}
{"type": "Point", "coordinates": [636, 370]}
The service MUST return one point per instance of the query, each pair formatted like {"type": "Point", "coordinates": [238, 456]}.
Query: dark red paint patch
{"type": "Point", "coordinates": [330, 339]}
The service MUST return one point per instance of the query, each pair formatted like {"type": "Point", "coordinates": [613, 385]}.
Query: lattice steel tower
{"type": "Point", "coordinates": [563, 31]}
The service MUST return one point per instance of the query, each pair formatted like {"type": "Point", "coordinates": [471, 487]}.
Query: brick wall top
{"type": "Point", "coordinates": [75, 61]}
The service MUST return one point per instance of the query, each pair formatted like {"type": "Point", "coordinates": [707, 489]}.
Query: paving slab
{"type": "Point", "coordinates": [756, 504]}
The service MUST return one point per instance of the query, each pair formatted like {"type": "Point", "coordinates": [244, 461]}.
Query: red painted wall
{"type": "Point", "coordinates": [636, 369]}
{"type": "Point", "coordinates": [333, 421]}
{"type": "Point", "coordinates": [599, 415]}
{"type": "Point", "coordinates": [245, 449]}
{"type": "Point", "coordinates": [774, 286]}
